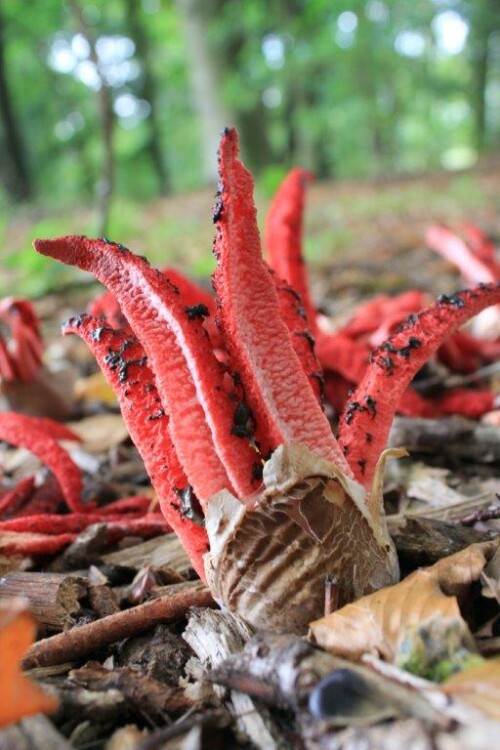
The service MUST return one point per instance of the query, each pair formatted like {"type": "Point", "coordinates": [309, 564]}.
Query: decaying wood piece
{"type": "Point", "coordinates": [103, 600]}
{"type": "Point", "coordinates": [79, 642]}
{"type": "Point", "coordinates": [80, 705]}
{"type": "Point", "coordinates": [86, 549]}
{"type": "Point", "coordinates": [274, 557]}
{"type": "Point", "coordinates": [54, 599]}
{"type": "Point", "coordinates": [453, 436]}
{"type": "Point", "coordinates": [158, 553]}
{"type": "Point", "coordinates": [150, 696]}
{"type": "Point", "coordinates": [214, 636]}
{"type": "Point", "coordinates": [423, 541]}
{"type": "Point", "coordinates": [284, 670]}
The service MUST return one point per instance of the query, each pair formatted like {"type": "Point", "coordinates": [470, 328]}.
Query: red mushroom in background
{"type": "Point", "coordinates": [26, 384]}
{"type": "Point", "coordinates": [345, 354]}
{"type": "Point", "coordinates": [45, 531]}
{"type": "Point", "coordinates": [475, 256]}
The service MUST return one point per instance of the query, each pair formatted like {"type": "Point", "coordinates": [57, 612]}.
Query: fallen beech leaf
{"type": "Point", "coordinates": [101, 432]}
{"type": "Point", "coordinates": [379, 623]}
{"type": "Point", "coordinates": [479, 686]}
{"type": "Point", "coordinates": [94, 388]}
{"type": "Point", "coordinates": [20, 696]}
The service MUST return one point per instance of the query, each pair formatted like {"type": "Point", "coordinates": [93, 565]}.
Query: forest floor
{"type": "Point", "coordinates": [161, 681]}
{"type": "Point", "coordinates": [363, 224]}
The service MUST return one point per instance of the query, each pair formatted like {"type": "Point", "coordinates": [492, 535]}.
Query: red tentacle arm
{"type": "Point", "coordinates": [303, 342]}
{"type": "Point", "coordinates": [124, 365]}
{"type": "Point", "coordinates": [481, 245]}
{"type": "Point", "coordinates": [283, 237]}
{"type": "Point", "coordinates": [367, 418]}
{"type": "Point", "coordinates": [282, 402]}
{"type": "Point", "coordinates": [188, 376]}
{"type": "Point", "coordinates": [17, 496]}
{"type": "Point", "coordinates": [40, 436]}
{"type": "Point", "coordinates": [474, 268]}
{"type": "Point", "coordinates": [197, 299]}
{"type": "Point", "coordinates": [24, 359]}
{"type": "Point", "coordinates": [7, 366]}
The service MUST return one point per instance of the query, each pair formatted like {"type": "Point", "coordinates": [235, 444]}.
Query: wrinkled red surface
{"type": "Point", "coordinates": [368, 415]}
{"type": "Point", "coordinates": [284, 406]}
{"type": "Point", "coordinates": [123, 363]}
{"type": "Point", "coordinates": [292, 313]}
{"type": "Point", "coordinates": [188, 376]}
{"type": "Point", "coordinates": [283, 238]}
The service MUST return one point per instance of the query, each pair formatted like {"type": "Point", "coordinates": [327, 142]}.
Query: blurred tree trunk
{"type": "Point", "coordinates": [106, 183]}
{"type": "Point", "coordinates": [484, 20]}
{"type": "Point", "coordinates": [206, 76]}
{"type": "Point", "coordinates": [14, 165]}
{"type": "Point", "coordinates": [149, 93]}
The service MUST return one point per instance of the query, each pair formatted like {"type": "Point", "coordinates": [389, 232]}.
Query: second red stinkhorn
{"type": "Point", "coordinates": [344, 354]}
{"type": "Point", "coordinates": [25, 382]}
{"type": "Point", "coordinates": [271, 543]}
{"type": "Point", "coordinates": [26, 528]}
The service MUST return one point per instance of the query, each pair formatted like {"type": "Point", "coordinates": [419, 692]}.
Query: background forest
{"type": "Point", "coordinates": [109, 104]}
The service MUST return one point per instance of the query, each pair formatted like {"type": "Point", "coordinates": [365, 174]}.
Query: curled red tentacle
{"type": "Point", "coordinates": [40, 436]}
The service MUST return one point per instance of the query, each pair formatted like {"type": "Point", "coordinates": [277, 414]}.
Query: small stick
{"type": "Point", "coordinates": [81, 641]}
{"type": "Point", "coordinates": [332, 591]}
{"type": "Point", "coordinates": [481, 515]}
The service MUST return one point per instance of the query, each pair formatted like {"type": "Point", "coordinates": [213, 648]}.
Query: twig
{"type": "Point", "coordinates": [482, 514]}
{"type": "Point", "coordinates": [81, 641]}
{"type": "Point", "coordinates": [332, 591]}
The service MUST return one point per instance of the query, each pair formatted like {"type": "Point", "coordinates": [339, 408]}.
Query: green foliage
{"type": "Point", "coordinates": [351, 88]}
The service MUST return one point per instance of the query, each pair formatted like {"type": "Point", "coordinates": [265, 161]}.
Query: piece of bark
{"type": "Point", "coordinates": [103, 600]}
{"type": "Point", "coordinates": [214, 636]}
{"type": "Point", "coordinates": [10, 563]}
{"type": "Point", "coordinates": [54, 598]}
{"type": "Point", "coordinates": [145, 694]}
{"type": "Point", "coordinates": [34, 733]}
{"type": "Point", "coordinates": [80, 642]}
{"type": "Point", "coordinates": [79, 704]}
{"type": "Point", "coordinates": [424, 541]}
{"type": "Point", "coordinates": [157, 553]}
{"type": "Point", "coordinates": [452, 436]}
{"type": "Point", "coordinates": [283, 670]}
{"type": "Point", "coordinates": [85, 550]}
{"type": "Point", "coordinates": [161, 654]}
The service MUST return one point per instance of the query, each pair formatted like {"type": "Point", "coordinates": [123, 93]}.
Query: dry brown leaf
{"type": "Point", "coordinates": [101, 432]}
{"type": "Point", "coordinates": [379, 622]}
{"type": "Point", "coordinates": [20, 696]}
{"type": "Point", "coordinates": [478, 686]}
{"type": "Point", "coordinates": [94, 388]}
